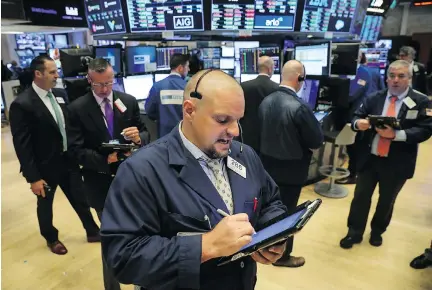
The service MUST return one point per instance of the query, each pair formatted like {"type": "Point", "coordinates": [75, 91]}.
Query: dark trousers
{"type": "Point", "coordinates": [290, 195]}
{"type": "Point", "coordinates": [352, 162]}
{"type": "Point", "coordinates": [110, 282]}
{"type": "Point", "coordinates": [71, 184]}
{"type": "Point", "coordinates": [378, 172]}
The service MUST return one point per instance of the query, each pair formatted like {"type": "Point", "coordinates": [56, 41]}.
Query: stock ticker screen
{"type": "Point", "coordinates": [163, 55]}
{"type": "Point", "coordinates": [168, 15]}
{"type": "Point", "coordinates": [253, 14]}
{"type": "Point", "coordinates": [371, 28]}
{"type": "Point", "coordinates": [105, 17]}
{"type": "Point", "coordinates": [248, 60]}
{"type": "Point", "coordinates": [328, 15]}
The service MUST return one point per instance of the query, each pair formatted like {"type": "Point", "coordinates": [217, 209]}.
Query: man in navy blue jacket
{"type": "Point", "coordinates": [164, 103]}
{"type": "Point", "coordinates": [161, 228]}
{"type": "Point", "coordinates": [386, 156]}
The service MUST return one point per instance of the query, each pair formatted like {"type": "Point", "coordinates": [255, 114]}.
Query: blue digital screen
{"type": "Point", "coordinates": [309, 92]}
{"type": "Point", "coordinates": [275, 229]}
{"type": "Point", "coordinates": [140, 59]}
{"type": "Point", "coordinates": [113, 55]}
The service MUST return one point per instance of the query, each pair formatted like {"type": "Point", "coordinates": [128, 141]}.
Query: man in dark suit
{"type": "Point", "coordinates": [386, 156]}
{"type": "Point", "coordinates": [103, 116]}
{"type": "Point", "coordinates": [254, 92]}
{"type": "Point", "coordinates": [418, 70]}
{"type": "Point", "coordinates": [38, 119]}
{"type": "Point", "coordinates": [289, 130]}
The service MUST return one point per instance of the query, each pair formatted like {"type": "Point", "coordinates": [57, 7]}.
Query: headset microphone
{"type": "Point", "coordinates": [241, 137]}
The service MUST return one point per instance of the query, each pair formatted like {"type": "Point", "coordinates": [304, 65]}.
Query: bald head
{"type": "Point", "coordinates": [211, 123]}
{"type": "Point", "coordinates": [290, 73]}
{"type": "Point", "coordinates": [266, 65]}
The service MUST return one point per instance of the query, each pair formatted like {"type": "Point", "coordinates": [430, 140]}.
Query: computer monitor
{"type": "Point", "coordinates": [244, 44]}
{"type": "Point", "coordinates": [309, 92]}
{"type": "Point", "coordinates": [333, 93]}
{"type": "Point", "coordinates": [118, 85]}
{"type": "Point", "coordinates": [138, 86]}
{"type": "Point", "coordinates": [248, 60]}
{"type": "Point", "coordinates": [140, 59]}
{"type": "Point", "coordinates": [74, 61]}
{"type": "Point", "coordinates": [159, 77]}
{"type": "Point", "coordinates": [247, 77]}
{"type": "Point", "coordinates": [211, 63]}
{"type": "Point", "coordinates": [76, 87]}
{"type": "Point", "coordinates": [227, 63]}
{"type": "Point", "coordinates": [384, 43]}
{"type": "Point", "coordinates": [228, 51]}
{"type": "Point", "coordinates": [376, 57]}
{"type": "Point", "coordinates": [345, 58]}
{"type": "Point", "coordinates": [276, 78]}
{"type": "Point", "coordinates": [274, 53]}
{"type": "Point", "coordinates": [210, 52]}
{"type": "Point", "coordinates": [113, 55]}
{"type": "Point", "coordinates": [315, 57]}
{"type": "Point", "coordinates": [163, 57]}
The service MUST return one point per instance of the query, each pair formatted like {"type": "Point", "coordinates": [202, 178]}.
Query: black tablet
{"type": "Point", "coordinates": [278, 231]}
{"type": "Point", "coordinates": [118, 147]}
{"type": "Point", "coordinates": [380, 121]}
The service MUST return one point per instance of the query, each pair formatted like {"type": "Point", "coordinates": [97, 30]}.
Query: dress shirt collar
{"type": "Point", "coordinates": [173, 73]}
{"type": "Point", "coordinates": [39, 91]}
{"type": "Point", "coordinates": [192, 148]}
{"type": "Point", "coordinates": [401, 96]}
{"type": "Point", "coordinates": [99, 100]}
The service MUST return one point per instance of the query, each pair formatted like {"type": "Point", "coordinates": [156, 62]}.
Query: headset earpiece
{"type": "Point", "coordinates": [195, 93]}
{"type": "Point", "coordinates": [303, 77]}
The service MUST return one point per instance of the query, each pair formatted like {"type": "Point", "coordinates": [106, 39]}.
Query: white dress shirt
{"type": "Point", "coordinates": [101, 103]}
{"type": "Point", "coordinates": [201, 156]}
{"type": "Point", "coordinates": [43, 95]}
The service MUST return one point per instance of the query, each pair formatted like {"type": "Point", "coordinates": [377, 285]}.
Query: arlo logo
{"type": "Point", "coordinates": [183, 22]}
{"type": "Point", "coordinates": [274, 22]}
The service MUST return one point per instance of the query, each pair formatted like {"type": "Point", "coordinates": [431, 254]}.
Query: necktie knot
{"type": "Point", "coordinates": [393, 99]}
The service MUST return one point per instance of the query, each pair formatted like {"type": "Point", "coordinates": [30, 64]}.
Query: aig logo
{"type": "Point", "coordinates": [274, 22]}
{"type": "Point", "coordinates": [183, 22]}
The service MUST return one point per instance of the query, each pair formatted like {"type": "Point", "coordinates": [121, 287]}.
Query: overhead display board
{"type": "Point", "coordinates": [105, 16]}
{"type": "Point", "coordinates": [328, 15]}
{"type": "Point", "coordinates": [65, 13]}
{"type": "Point", "coordinates": [253, 15]}
{"type": "Point", "coordinates": [378, 7]}
{"type": "Point", "coordinates": [168, 15]}
{"type": "Point", "coordinates": [371, 28]}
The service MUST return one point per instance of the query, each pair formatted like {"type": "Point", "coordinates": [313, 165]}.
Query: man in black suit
{"type": "Point", "coordinates": [254, 92]}
{"type": "Point", "coordinates": [38, 119]}
{"type": "Point", "coordinates": [289, 130]}
{"type": "Point", "coordinates": [386, 156]}
{"type": "Point", "coordinates": [103, 116]}
{"type": "Point", "coordinates": [418, 70]}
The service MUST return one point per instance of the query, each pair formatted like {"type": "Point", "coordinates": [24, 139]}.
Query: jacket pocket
{"type": "Point", "coordinates": [173, 223]}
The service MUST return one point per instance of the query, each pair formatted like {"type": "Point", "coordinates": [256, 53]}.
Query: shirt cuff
{"type": "Point", "coordinates": [400, 135]}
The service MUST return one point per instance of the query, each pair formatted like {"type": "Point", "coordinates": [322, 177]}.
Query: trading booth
{"type": "Point", "coordinates": [139, 38]}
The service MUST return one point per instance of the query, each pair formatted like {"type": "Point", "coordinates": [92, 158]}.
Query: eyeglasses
{"type": "Point", "coordinates": [101, 85]}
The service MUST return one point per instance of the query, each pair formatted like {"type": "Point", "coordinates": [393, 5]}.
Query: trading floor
{"type": "Point", "coordinates": [28, 264]}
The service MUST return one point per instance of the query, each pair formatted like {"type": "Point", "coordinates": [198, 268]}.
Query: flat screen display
{"type": "Point", "coordinates": [254, 14]}
{"type": "Point", "coordinates": [168, 15]}
{"type": "Point", "coordinates": [248, 60]}
{"type": "Point", "coordinates": [113, 55]}
{"type": "Point", "coordinates": [228, 51]}
{"type": "Point", "coordinates": [244, 44]}
{"type": "Point", "coordinates": [159, 77]}
{"type": "Point", "coordinates": [64, 13]}
{"type": "Point", "coordinates": [33, 41]}
{"type": "Point", "coordinates": [118, 85]}
{"type": "Point", "coordinates": [227, 63]}
{"type": "Point", "coordinates": [376, 57]}
{"type": "Point", "coordinates": [371, 28]}
{"type": "Point", "coordinates": [140, 59]}
{"type": "Point", "coordinates": [345, 58]}
{"type": "Point", "coordinates": [164, 55]}
{"type": "Point", "coordinates": [378, 7]}
{"type": "Point", "coordinates": [105, 16]}
{"type": "Point", "coordinates": [247, 77]}
{"type": "Point", "coordinates": [315, 58]}
{"type": "Point", "coordinates": [138, 86]}
{"type": "Point", "coordinates": [309, 92]}
{"type": "Point", "coordinates": [328, 15]}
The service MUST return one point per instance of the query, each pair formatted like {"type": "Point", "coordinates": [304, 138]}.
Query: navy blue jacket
{"type": "Point", "coordinates": [377, 83]}
{"type": "Point", "coordinates": [402, 155]}
{"type": "Point", "coordinates": [162, 190]}
{"type": "Point", "coordinates": [164, 103]}
{"type": "Point", "coordinates": [360, 88]}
